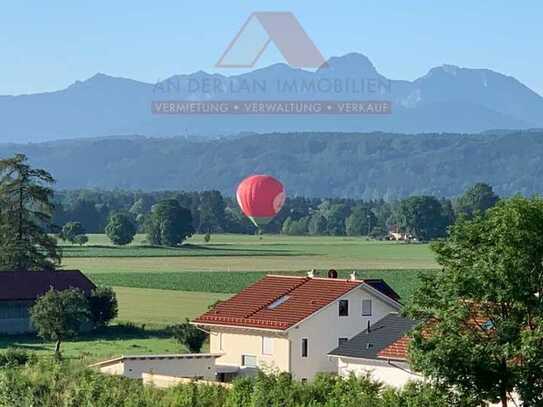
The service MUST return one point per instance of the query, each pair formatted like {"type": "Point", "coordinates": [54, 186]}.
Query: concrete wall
{"type": "Point", "coordinates": [116, 369]}
{"type": "Point", "coordinates": [395, 374]}
{"type": "Point", "coordinates": [163, 381]}
{"type": "Point", "coordinates": [246, 342]}
{"type": "Point", "coordinates": [203, 367]}
{"type": "Point", "coordinates": [325, 328]}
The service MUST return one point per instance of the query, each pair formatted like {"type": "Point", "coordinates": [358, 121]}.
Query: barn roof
{"type": "Point", "coordinates": [279, 302]}
{"type": "Point", "coordinates": [29, 285]}
{"type": "Point", "coordinates": [386, 339]}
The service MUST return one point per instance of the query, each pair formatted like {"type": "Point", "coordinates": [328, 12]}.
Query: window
{"type": "Point", "coordinates": [341, 341]}
{"type": "Point", "coordinates": [220, 341]}
{"type": "Point", "coordinates": [343, 308]}
{"type": "Point", "coordinates": [267, 345]}
{"type": "Point", "coordinates": [304, 347]}
{"type": "Point", "coordinates": [248, 360]}
{"type": "Point", "coordinates": [366, 308]}
{"type": "Point", "coordinates": [278, 302]}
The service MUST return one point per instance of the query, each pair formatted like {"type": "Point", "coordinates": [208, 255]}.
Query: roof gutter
{"type": "Point", "coordinates": [207, 324]}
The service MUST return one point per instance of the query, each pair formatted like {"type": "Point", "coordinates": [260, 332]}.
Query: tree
{"type": "Point", "coordinates": [168, 224]}
{"type": "Point", "coordinates": [25, 214]}
{"type": "Point", "coordinates": [103, 306]}
{"type": "Point", "coordinates": [81, 240]}
{"type": "Point", "coordinates": [476, 200]}
{"type": "Point", "coordinates": [59, 315]}
{"type": "Point", "coordinates": [360, 222]}
{"type": "Point", "coordinates": [335, 218]}
{"type": "Point", "coordinates": [71, 230]}
{"type": "Point", "coordinates": [295, 227]}
{"type": "Point", "coordinates": [212, 215]}
{"type": "Point", "coordinates": [189, 336]}
{"type": "Point", "coordinates": [423, 217]}
{"type": "Point", "coordinates": [120, 229]}
{"type": "Point", "coordinates": [482, 330]}
{"type": "Point", "coordinates": [316, 225]}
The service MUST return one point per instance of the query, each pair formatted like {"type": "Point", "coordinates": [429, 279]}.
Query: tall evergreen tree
{"type": "Point", "coordinates": [25, 213]}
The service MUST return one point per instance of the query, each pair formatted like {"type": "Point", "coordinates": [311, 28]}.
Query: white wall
{"type": "Point", "coordinates": [245, 342]}
{"type": "Point", "coordinates": [324, 329]}
{"type": "Point", "coordinates": [178, 367]}
{"type": "Point", "coordinates": [395, 374]}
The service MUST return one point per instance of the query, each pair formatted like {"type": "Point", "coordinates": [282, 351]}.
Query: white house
{"type": "Point", "coordinates": [290, 324]}
{"type": "Point", "coordinates": [380, 350]}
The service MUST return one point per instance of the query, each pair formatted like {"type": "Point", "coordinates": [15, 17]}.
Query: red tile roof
{"type": "Point", "coordinates": [396, 350]}
{"type": "Point", "coordinates": [250, 308]}
{"type": "Point", "coordinates": [29, 285]}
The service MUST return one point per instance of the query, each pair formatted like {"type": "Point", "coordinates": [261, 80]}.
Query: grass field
{"type": "Point", "coordinates": [159, 308]}
{"type": "Point", "coordinates": [403, 281]}
{"type": "Point", "coordinates": [273, 253]}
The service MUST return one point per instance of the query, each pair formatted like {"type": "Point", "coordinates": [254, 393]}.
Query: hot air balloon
{"type": "Point", "coordinates": [260, 198]}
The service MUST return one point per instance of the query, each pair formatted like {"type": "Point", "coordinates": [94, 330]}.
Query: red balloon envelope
{"type": "Point", "coordinates": [260, 197]}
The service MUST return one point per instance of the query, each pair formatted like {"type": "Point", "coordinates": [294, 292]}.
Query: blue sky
{"type": "Point", "coordinates": [49, 45]}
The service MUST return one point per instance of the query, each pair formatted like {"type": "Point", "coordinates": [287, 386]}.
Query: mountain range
{"type": "Point", "coordinates": [447, 99]}
{"type": "Point", "coordinates": [356, 165]}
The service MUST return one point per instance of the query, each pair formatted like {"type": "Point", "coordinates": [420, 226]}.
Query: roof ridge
{"type": "Point", "coordinates": [304, 280]}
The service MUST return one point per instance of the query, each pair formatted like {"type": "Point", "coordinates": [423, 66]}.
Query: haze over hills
{"type": "Point", "coordinates": [446, 99]}
{"type": "Point", "coordinates": [369, 166]}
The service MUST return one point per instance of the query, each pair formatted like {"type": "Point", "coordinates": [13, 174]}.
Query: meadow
{"type": "Point", "coordinates": [158, 286]}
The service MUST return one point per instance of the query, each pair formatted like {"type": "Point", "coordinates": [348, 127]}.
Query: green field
{"type": "Point", "coordinates": [158, 308]}
{"type": "Point", "coordinates": [159, 286]}
{"type": "Point", "coordinates": [248, 253]}
{"type": "Point", "coordinates": [150, 310]}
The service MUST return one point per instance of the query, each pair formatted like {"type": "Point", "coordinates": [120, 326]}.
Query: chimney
{"type": "Point", "coordinates": [311, 273]}
{"type": "Point", "coordinates": [353, 276]}
{"type": "Point", "coordinates": [332, 273]}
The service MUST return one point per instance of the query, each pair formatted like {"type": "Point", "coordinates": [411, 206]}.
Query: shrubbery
{"type": "Point", "coordinates": [47, 383]}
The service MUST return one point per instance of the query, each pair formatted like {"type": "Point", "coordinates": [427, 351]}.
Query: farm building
{"type": "Point", "coordinates": [380, 350]}
{"type": "Point", "coordinates": [290, 324]}
{"type": "Point", "coordinates": [19, 290]}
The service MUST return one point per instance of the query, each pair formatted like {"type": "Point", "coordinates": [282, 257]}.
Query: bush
{"type": "Point", "coordinates": [14, 357]}
{"type": "Point", "coordinates": [189, 336]}
{"type": "Point", "coordinates": [103, 306]}
{"type": "Point", "coordinates": [47, 383]}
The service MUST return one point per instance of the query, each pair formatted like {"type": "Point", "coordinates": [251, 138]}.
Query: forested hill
{"type": "Point", "coordinates": [366, 166]}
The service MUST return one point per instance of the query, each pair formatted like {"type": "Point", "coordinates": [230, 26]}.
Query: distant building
{"type": "Point", "coordinates": [380, 351]}
{"type": "Point", "coordinates": [20, 290]}
{"type": "Point", "coordinates": [290, 324]}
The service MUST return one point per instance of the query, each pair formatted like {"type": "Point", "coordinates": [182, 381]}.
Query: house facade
{"type": "Point", "coordinates": [380, 351]}
{"type": "Point", "coordinates": [290, 324]}
{"type": "Point", "coordinates": [20, 289]}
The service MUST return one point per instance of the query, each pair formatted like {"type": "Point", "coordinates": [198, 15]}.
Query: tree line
{"type": "Point", "coordinates": [168, 217]}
